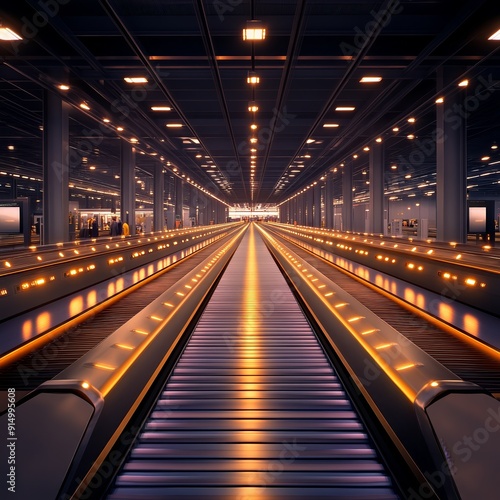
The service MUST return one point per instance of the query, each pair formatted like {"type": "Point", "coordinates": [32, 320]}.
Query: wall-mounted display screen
{"type": "Point", "coordinates": [477, 219]}
{"type": "Point", "coordinates": [10, 219]}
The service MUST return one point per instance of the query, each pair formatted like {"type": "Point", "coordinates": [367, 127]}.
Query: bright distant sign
{"type": "Point", "coordinates": [477, 219]}
{"type": "Point", "coordinates": [10, 219]}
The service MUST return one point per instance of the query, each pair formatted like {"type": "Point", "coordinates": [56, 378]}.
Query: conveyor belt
{"type": "Point", "coordinates": [253, 409]}
{"type": "Point", "coordinates": [43, 364]}
{"type": "Point", "coordinates": [465, 358]}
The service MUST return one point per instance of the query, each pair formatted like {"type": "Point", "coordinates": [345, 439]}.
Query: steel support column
{"type": "Point", "coordinates": [159, 197]}
{"type": "Point", "coordinates": [451, 180]}
{"type": "Point", "coordinates": [55, 169]}
{"type": "Point", "coordinates": [127, 184]}
{"type": "Point", "coordinates": [347, 197]}
{"type": "Point", "coordinates": [376, 214]}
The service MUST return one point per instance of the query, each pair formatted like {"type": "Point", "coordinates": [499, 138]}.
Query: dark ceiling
{"type": "Point", "coordinates": [195, 61]}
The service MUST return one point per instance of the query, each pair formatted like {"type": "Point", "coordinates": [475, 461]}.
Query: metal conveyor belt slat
{"type": "Point", "coordinates": [253, 408]}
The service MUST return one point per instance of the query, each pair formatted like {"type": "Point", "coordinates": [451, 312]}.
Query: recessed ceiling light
{"type": "Point", "coordinates": [11, 148]}
{"type": "Point", "coordinates": [345, 108]}
{"type": "Point", "coordinates": [486, 158]}
{"type": "Point", "coordinates": [463, 83]}
{"type": "Point", "coordinates": [161, 108]}
{"type": "Point", "coordinates": [440, 100]}
{"type": "Point", "coordinates": [378, 139]}
{"type": "Point", "coordinates": [310, 141]}
{"type": "Point", "coordinates": [136, 79]}
{"type": "Point", "coordinates": [395, 129]}
{"type": "Point", "coordinates": [331, 125]}
{"type": "Point", "coordinates": [120, 129]}
{"type": "Point", "coordinates": [495, 36]}
{"type": "Point", "coordinates": [411, 120]}
{"type": "Point", "coordinates": [371, 79]}
{"type": "Point", "coordinates": [8, 35]}
{"type": "Point", "coordinates": [63, 87]}
{"type": "Point", "coordinates": [85, 106]}
{"type": "Point", "coordinates": [106, 120]}
{"type": "Point", "coordinates": [174, 125]}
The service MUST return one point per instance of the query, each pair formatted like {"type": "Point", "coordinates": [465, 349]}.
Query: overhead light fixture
{"type": "Point", "coordinates": [254, 31]}
{"type": "Point", "coordinates": [331, 125]}
{"type": "Point", "coordinates": [8, 35]}
{"type": "Point", "coordinates": [252, 107]}
{"type": "Point", "coordinates": [464, 83]}
{"type": "Point", "coordinates": [495, 36]}
{"type": "Point", "coordinates": [174, 125]}
{"type": "Point", "coordinates": [440, 100]}
{"type": "Point", "coordinates": [253, 140]}
{"type": "Point", "coordinates": [253, 126]}
{"type": "Point", "coordinates": [136, 79]}
{"type": "Point", "coordinates": [253, 78]}
{"type": "Point", "coordinates": [345, 108]}
{"type": "Point", "coordinates": [85, 106]}
{"type": "Point", "coordinates": [411, 120]}
{"type": "Point", "coordinates": [395, 129]}
{"type": "Point", "coordinates": [120, 129]}
{"type": "Point", "coordinates": [161, 108]}
{"type": "Point", "coordinates": [106, 120]}
{"type": "Point", "coordinates": [371, 79]}
{"type": "Point", "coordinates": [378, 139]}
{"type": "Point", "coordinates": [63, 87]}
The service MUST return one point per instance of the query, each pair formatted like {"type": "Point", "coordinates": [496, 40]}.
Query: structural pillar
{"type": "Point", "coordinates": [127, 184]}
{"type": "Point", "coordinates": [376, 205]}
{"type": "Point", "coordinates": [316, 205]}
{"type": "Point", "coordinates": [451, 179]}
{"type": "Point", "coordinates": [55, 169]}
{"type": "Point", "coordinates": [159, 196]}
{"type": "Point", "coordinates": [329, 201]}
{"type": "Point", "coordinates": [309, 204]}
{"type": "Point", "coordinates": [347, 197]}
{"type": "Point", "coordinates": [179, 202]}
